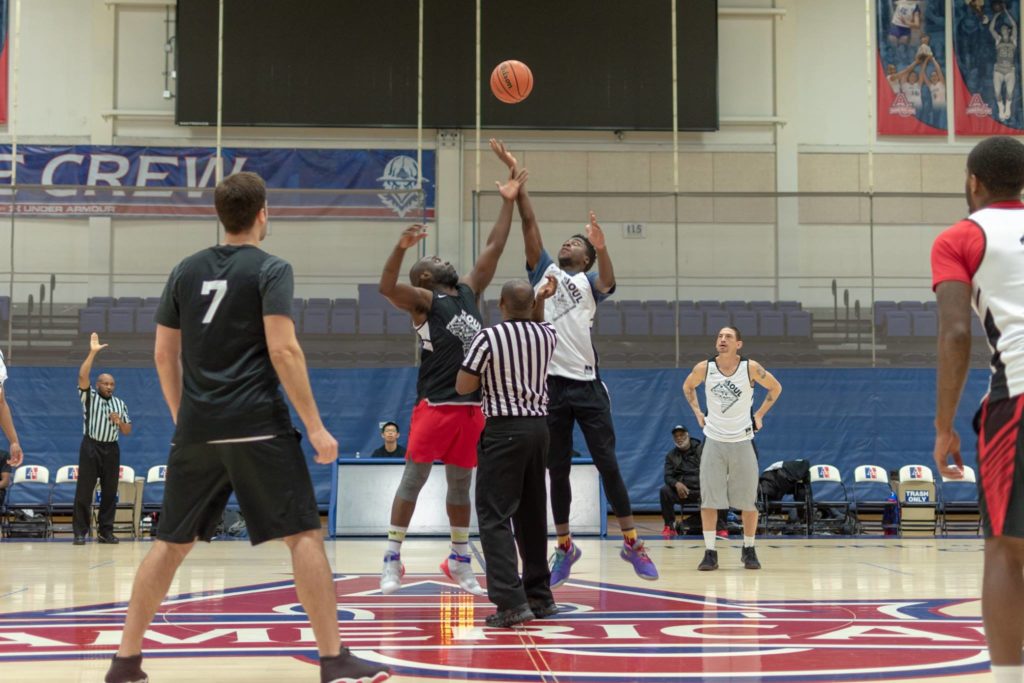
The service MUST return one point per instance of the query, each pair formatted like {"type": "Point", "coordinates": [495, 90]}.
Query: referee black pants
{"type": "Point", "coordinates": [511, 508]}
{"type": "Point", "coordinates": [96, 460]}
{"type": "Point", "coordinates": [571, 401]}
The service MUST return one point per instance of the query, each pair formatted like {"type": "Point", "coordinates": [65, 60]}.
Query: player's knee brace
{"type": "Point", "coordinates": [414, 476]}
{"type": "Point", "coordinates": [459, 480]}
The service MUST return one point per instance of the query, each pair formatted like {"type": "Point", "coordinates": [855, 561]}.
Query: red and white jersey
{"type": "Point", "coordinates": [986, 251]}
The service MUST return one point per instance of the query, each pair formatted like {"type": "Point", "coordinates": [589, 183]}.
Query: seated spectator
{"type": "Point", "coordinates": [5, 475]}
{"type": "Point", "coordinates": [391, 447]}
{"type": "Point", "coordinates": [682, 483]}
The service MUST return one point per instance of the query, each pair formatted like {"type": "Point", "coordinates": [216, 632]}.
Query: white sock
{"type": "Point", "coordinates": [460, 540]}
{"type": "Point", "coordinates": [709, 539]}
{"type": "Point", "coordinates": [396, 534]}
{"type": "Point", "coordinates": [1007, 674]}
{"type": "Point", "coordinates": [748, 541]}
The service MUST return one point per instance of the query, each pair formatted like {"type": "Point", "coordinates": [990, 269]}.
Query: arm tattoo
{"type": "Point", "coordinates": [761, 372]}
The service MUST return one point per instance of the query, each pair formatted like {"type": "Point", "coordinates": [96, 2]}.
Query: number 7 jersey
{"type": "Point", "coordinates": [217, 298]}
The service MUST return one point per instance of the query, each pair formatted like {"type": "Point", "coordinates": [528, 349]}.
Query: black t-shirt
{"type": "Point", "coordinates": [445, 337]}
{"type": "Point", "coordinates": [217, 298]}
{"type": "Point", "coordinates": [5, 466]}
{"type": "Point", "coordinates": [382, 452]}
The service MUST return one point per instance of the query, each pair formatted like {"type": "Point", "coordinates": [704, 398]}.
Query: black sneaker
{"type": "Point", "coordinates": [507, 618]}
{"type": "Point", "coordinates": [126, 670]}
{"type": "Point", "coordinates": [79, 540]}
{"type": "Point", "coordinates": [347, 668]}
{"type": "Point", "coordinates": [749, 557]}
{"type": "Point", "coordinates": [543, 609]}
{"type": "Point", "coordinates": [108, 538]}
{"type": "Point", "coordinates": [710, 561]}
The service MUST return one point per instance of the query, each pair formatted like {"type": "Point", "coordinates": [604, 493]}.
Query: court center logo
{"type": "Point", "coordinates": [400, 175]}
{"type": "Point", "coordinates": [603, 632]}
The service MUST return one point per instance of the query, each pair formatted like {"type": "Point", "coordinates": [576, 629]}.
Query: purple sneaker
{"type": "Point", "coordinates": [561, 562]}
{"type": "Point", "coordinates": [636, 555]}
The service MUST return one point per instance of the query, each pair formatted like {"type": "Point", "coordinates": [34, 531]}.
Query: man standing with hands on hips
{"type": "Point", "coordinates": [105, 419]}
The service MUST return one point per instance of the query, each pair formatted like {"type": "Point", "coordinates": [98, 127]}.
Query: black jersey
{"type": "Point", "coordinates": [217, 298]}
{"type": "Point", "coordinates": [445, 337]}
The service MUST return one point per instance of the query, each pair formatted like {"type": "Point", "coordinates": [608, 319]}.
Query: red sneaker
{"type": "Point", "coordinates": [722, 533]}
{"type": "Point", "coordinates": [668, 533]}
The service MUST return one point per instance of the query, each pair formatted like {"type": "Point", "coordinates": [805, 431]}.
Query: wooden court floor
{"type": "Point", "coordinates": [821, 609]}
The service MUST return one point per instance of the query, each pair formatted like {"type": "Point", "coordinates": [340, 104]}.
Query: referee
{"type": "Point", "coordinates": [105, 418]}
{"type": "Point", "coordinates": [510, 362]}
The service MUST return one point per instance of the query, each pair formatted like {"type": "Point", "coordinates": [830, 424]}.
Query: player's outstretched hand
{"type": "Point", "coordinates": [326, 446]}
{"type": "Point", "coordinates": [594, 232]}
{"type": "Point", "coordinates": [510, 190]}
{"type": "Point", "coordinates": [947, 443]}
{"type": "Point", "coordinates": [506, 156]}
{"type": "Point", "coordinates": [547, 290]}
{"type": "Point", "coordinates": [411, 235]}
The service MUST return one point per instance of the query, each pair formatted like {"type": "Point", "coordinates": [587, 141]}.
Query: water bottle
{"type": "Point", "coordinates": [891, 515]}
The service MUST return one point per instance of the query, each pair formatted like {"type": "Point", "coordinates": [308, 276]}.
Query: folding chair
{"type": "Point", "coordinates": [830, 499]}
{"type": "Point", "coordinates": [959, 502]}
{"type": "Point", "coordinates": [129, 503]}
{"type": "Point", "coordinates": [62, 499]}
{"type": "Point", "coordinates": [153, 494]}
{"type": "Point", "coordinates": [27, 509]}
{"type": "Point", "coordinates": [917, 496]}
{"type": "Point", "coordinates": [871, 498]}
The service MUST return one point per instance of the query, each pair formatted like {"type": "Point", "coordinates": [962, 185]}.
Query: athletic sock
{"type": "Point", "coordinates": [709, 539]}
{"type": "Point", "coordinates": [460, 540]}
{"type": "Point", "coordinates": [1007, 674]}
{"type": "Point", "coordinates": [396, 534]}
{"type": "Point", "coordinates": [630, 536]}
{"type": "Point", "coordinates": [748, 541]}
{"type": "Point", "coordinates": [565, 541]}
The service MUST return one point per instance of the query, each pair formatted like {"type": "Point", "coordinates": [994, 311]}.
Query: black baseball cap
{"type": "Point", "coordinates": [385, 425]}
{"type": "Point", "coordinates": [680, 428]}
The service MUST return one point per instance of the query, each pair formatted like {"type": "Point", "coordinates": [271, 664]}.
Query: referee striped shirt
{"type": "Point", "coordinates": [96, 412]}
{"type": "Point", "coordinates": [511, 359]}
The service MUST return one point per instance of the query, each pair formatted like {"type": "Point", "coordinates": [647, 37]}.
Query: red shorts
{"type": "Point", "coordinates": [448, 433]}
{"type": "Point", "coordinates": [1001, 466]}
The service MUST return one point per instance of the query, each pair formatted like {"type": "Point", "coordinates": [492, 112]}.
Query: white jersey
{"type": "Point", "coordinates": [571, 310]}
{"type": "Point", "coordinates": [912, 91]}
{"type": "Point", "coordinates": [730, 400]}
{"type": "Point", "coordinates": [998, 296]}
{"type": "Point", "coordinates": [3, 371]}
{"type": "Point", "coordinates": [903, 13]}
{"type": "Point", "coordinates": [938, 93]}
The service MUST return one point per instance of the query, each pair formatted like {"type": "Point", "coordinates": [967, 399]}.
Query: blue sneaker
{"type": "Point", "coordinates": [561, 562]}
{"type": "Point", "coordinates": [636, 555]}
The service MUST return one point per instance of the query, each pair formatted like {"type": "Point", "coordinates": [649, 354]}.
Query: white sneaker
{"type": "Point", "coordinates": [392, 573]}
{"type": "Point", "coordinates": [459, 568]}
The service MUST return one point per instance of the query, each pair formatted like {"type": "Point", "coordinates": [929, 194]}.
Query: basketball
{"type": "Point", "coordinates": [511, 81]}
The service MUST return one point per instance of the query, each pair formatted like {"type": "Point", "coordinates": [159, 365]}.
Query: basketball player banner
{"type": "Point", "coordinates": [911, 62]}
{"type": "Point", "coordinates": [986, 42]}
{"type": "Point", "coordinates": [177, 182]}
{"type": "Point", "coordinates": [4, 6]}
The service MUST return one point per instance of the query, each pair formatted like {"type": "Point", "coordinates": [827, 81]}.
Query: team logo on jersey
{"type": "Point", "coordinates": [603, 632]}
{"type": "Point", "coordinates": [977, 107]}
{"type": "Point", "coordinates": [727, 394]}
{"type": "Point", "coordinates": [464, 326]}
{"type": "Point", "coordinates": [401, 173]}
{"type": "Point", "coordinates": [902, 107]}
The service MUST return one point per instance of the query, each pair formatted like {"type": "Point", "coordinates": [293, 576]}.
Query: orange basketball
{"type": "Point", "coordinates": [511, 81]}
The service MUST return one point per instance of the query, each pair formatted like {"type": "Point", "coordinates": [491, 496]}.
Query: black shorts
{"type": "Point", "coordinates": [270, 479]}
{"type": "Point", "coordinates": [1001, 466]}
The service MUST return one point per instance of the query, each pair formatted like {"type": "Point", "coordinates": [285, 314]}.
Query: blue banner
{"type": "Point", "coordinates": [157, 182]}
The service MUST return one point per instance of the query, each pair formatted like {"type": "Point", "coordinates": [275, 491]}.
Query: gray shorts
{"type": "Point", "coordinates": [728, 475]}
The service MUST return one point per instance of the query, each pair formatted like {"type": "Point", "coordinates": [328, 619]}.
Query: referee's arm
{"type": "Point", "coordinates": [468, 379]}
{"type": "Point", "coordinates": [86, 369]}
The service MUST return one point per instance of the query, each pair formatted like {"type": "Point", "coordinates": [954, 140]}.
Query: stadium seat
{"type": "Point", "coordinates": [745, 321]}
{"type": "Point", "coordinates": [691, 323]}
{"type": "Point", "coordinates": [663, 322]}
{"type": "Point", "coordinates": [145, 319]}
{"type": "Point", "coordinates": [771, 323]}
{"type": "Point", "coordinates": [297, 307]}
{"type": "Point", "coordinates": [151, 301]}
{"type": "Point", "coordinates": [762, 306]}
{"type": "Point", "coordinates": [897, 324]}
{"type": "Point", "coordinates": [397, 322]}
{"type": "Point", "coordinates": [371, 320]}
{"type": "Point", "coordinates": [343, 319]}
{"type": "Point", "coordinates": [92, 319]}
{"type": "Point", "coordinates": [714, 320]}
{"type": "Point", "coordinates": [318, 302]}
{"type": "Point", "coordinates": [733, 305]}
{"type": "Point", "coordinates": [314, 319]}
{"type": "Point", "coordinates": [656, 304]}
{"type": "Point", "coordinates": [709, 304]}
{"type": "Point", "coordinates": [798, 324]}
{"type": "Point", "coordinates": [121, 320]}
{"type": "Point", "coordinates": [788, 306]}
{"type": "Point", "coordinates": [609, 321]}
{"type": "Point", "coordinates": [370, 296]}
{"type": "Point", "coordinates": [636, 322]}
{"type": "Point", "coordinates": [910, 305]}
{"type": "Point", "coordinates": [924, 323]}
{"type": "Point", "coordinates": [96, 301]}
{"type": "Point", "coordinates": [128, 301]}
{"type": "Point", "coordinates": [881, 308]}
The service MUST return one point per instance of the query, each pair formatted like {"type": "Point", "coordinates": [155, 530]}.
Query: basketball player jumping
{"type": "Point", "coordinates": [445, 425]}
{"type": "Point", "coordinates": [728, 465]}
{"type": "Point", "coordinates": [576, 393]}
{"type": "Point", "coordinates": [978, 262]}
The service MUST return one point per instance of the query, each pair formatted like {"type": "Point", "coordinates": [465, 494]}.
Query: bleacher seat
{"type": "Point", "coordinates": [663, 322]}
{"type": "Point", "coordinates": [798, 324]}
{"type": "Point", "coordinates": [151, 301]}
{"type": "Point", "coordinates": [762, 306]}
{"type": "Point", "coordinates": [745, 321]}
{"type": "Point", "coordinates": [715, 319]}
{"type": "Point", "coordinates": [709, 304]}
{"type": "Point", "coordinates": [656, 304]}
{"type": "Point", "coordinates": [924, 323]}
{"type": "Point", "coordinates": [636, 321]}
{"type": "Point", "coordinates": [397, 322]}
{"type": "Point", "coordinates": [609, 320]}
{"type": "Point", "coordinates": [897, 324]}
{"type": "Point", "coordinates": [345, 303]}
{"type": "Point", "coordinates": [92, 319]}
{"type": "Point", "coordinates": [371, 320]}
{"type": "Point", "coordinates": [121, 320]}
{"type": "Point", "coordinates": [881, 308]}
{"type": "Point", "coordinates": [931, 305]}
{"type": "Point", "coordinates": [788, 306]}
{"type": "Point", "coordinates": [128, 301]}
{"type": "Point", "coordinates": [771, 323]}
{"type": "Point", "coordinates": [97, 301]}
{"type": "Point", "coordinates": [370, 297]}
{"type": "Point", "coordinates": [315, 320]}
{"type": "Point", "coordinates": [318, 302]}
{"type": "Point", "coordinates": [343, 319]}
{"type": "Point", "coordinates": [686, 304]}
{"type": "Point", "coordinates": [691, 323]}
{"type": "Point", "coordinates": [734, 304]}
{"type": "Point", "coordinates": [910, 305]}
{"type": "Point", "coordinates": [145, 319]}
